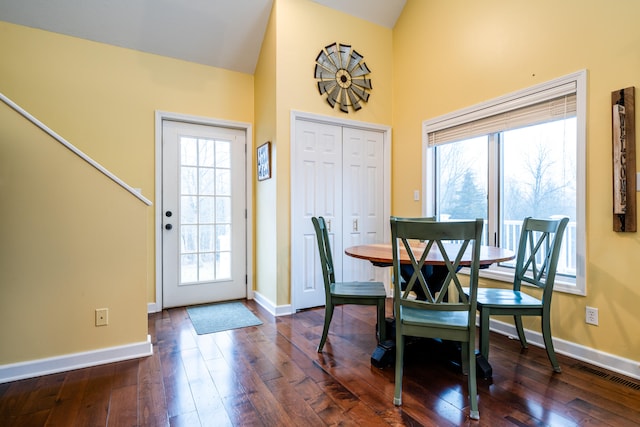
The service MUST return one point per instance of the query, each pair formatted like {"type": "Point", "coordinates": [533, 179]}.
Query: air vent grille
{"type": "Point", "coordinates": [613, 378]}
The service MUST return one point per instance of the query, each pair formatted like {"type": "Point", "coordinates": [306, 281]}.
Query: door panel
{"type": "Point", "coordinates": [316, 190]}
{"type": "Point", "coordinates": [204, 204]}
{"type": "Point", "coordinates": [362, 195]}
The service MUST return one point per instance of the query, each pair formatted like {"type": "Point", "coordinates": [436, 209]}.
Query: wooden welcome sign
{"type": "Point", "coordinates": [623, 137]}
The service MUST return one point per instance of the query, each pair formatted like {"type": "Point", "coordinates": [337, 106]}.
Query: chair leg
{"type": "Point", "coordinates": [484, 333]}
{"type": "Point", "coordinates": [382, 324]}
{"type": "Point", "coordinates": [397, 399]}
{"type": "Point", "coordinates": [548, 343]}
{"type": "Point", "coordinates": [474, 413]}
{"type": "Point", "coordinates": [464, 359]}
{"type": "Point", "coordinates": [517, 319]}
{"type": "Point", "coordinates": [328, 314]}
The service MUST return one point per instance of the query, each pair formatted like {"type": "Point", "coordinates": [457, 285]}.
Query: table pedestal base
{"type": "Point", "coordinates": [384, 354]}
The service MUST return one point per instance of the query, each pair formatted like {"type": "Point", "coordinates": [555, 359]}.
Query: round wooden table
{"type": "Point", "coordinates": [380, 254]}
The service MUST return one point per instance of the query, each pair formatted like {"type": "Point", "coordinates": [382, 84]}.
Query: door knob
{"type": "Point", "coordinates": [168, 226]}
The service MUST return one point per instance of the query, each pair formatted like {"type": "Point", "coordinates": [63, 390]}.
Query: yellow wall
{"type": "Point", "coordinates": [102, 99]}
{"type": "Point", "coordinates": [453, 54]}
{"type": "Point", "coordinates": [71, 241]}
{"type": "Point", "coordinates": [266, 211]}
{"type": "Point", "coordinates": [303, 29]}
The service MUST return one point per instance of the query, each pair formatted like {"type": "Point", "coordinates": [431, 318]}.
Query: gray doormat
{"type": "Point", "coordinates": [211, 318]}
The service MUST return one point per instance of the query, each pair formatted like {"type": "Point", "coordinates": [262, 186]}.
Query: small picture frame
{"type": "Point", "coordinates": [264, 161]}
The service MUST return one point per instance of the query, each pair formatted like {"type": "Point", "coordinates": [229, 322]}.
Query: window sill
{"type": "Point", "coordinates": [563, 284]}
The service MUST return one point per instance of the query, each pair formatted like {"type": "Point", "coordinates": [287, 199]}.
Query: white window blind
{"type": "Point", "coordinates": [504, 114]}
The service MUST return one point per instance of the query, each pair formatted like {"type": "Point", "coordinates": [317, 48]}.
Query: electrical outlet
{"type": "Point", "coordinates": [102, 316]}
{"type": "Point", "coordinates": [592, 316]}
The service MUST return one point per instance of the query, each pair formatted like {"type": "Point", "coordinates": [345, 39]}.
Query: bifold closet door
{"type": "Point", "coordinates": [337, 172]}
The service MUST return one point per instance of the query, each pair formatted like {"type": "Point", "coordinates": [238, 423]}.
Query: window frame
{"type": "Point", "coordinates": [518, 99]}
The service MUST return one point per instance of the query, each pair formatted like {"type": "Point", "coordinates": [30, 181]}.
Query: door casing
{"type": "Point", "coordinates": [160, 116]}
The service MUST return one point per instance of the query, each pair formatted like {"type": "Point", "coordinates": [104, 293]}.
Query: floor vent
{"type": "Point", "coordinates": [612, 378]}
{"type": "Point", "coordinates": [625, 382]}
{"type": "Point", "coordinates": [591, 370]}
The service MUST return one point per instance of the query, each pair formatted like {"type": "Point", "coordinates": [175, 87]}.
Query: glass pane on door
{"type": "Point", "coordinates": [205, 212]}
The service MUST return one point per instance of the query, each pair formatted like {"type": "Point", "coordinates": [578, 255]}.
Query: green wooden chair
{"type": "Point", "coordinates": [536, 262]}
{"type": "Point", "coordinates": [437, 317]}
{"type": "Point", "coordinates": [359, 293]}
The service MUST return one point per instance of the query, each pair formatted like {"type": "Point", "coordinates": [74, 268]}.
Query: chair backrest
{"type": "Point", "coordinates": [538, 252]}
{"type": "Point", "coordinates": [420, 236]}
{"type": "Point", "coordinates": [324, 247]}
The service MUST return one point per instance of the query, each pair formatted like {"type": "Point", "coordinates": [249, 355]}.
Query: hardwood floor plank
{"type": "Point", "coordinates": [613, 415]}
{"type": "Point", "coordinates": [151, 393]}
{"type": "Point", "coordinates": [31, 419]}
{"type": "Point", "coordinates": [45, 394]}
{"type": "Point", "coordinates": [205, 395]}
{"type": "Point", "coordinates": [69, 401]}
{"type": "Point", "coordinates": [241, 411]}
{"type": "Point", "coordinates": [97, 395]}
{"type": "Point", "coordinates": [189, 419]}
{"type": "Point", "coordinates": [177, 391]}
{"type": "Point", "coordinates": [14, 398]}
{"type": "Point", "coordinates": [121, 411]}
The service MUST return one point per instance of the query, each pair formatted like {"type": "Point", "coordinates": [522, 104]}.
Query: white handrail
{"type": "Point", "coordinates": [74, 149]}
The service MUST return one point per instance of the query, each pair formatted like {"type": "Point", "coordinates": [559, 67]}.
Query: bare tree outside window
{"type": "Point", "coordinates": [537, 178]}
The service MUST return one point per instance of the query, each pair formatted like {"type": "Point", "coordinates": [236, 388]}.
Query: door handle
{"type": "Point", "coordinates": [355, 224]}
{"type": "Point", "coordinates": [329, 226]}
{"type": "Point", "coordinates": [168, 227]}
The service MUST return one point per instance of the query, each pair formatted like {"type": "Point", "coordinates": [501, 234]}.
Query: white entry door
{"type": "Point", "coordinates": [337, 173]}
{"type": "Point", "coordinates": [203, 206]}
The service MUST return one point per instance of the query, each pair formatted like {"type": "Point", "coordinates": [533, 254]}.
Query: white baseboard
{"type": "Point", "coordinates": [265, 303]}
{"type": "Point", "coordinates": [68, 362]}
{"type": "Point", "coordinates": [153, 307]}
{"type": "Point", "coordinates": [628, 367]}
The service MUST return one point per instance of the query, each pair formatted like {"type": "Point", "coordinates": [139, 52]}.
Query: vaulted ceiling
{"type": "Point", "coordinates": [221, 33]}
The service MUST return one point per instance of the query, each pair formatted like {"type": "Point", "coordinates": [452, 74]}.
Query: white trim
{"type": "Point", "coordinates": [153, 307]}
{"type": "Point", "coordinates": [68, 362]}
{"type": "Point", "coordinates": [356, 124]}
{"type": "Point", "coordinates": [274, 310]}
{"type": "Point", "coordinates": [75, 150]}
{"type": "Point", "coordinates": [207, 121]}
{"type": "Point", "coordinates": [611, 362]}
{"type": "Point", "coordinates": [532, 95]}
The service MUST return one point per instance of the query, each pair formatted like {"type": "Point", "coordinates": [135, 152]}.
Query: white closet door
{"type": "Point", "coordinates": [317, 191]}
{"type": "Point", "coordinates": [338, 173]}
{"type": "Point", "coordinates": [363, 207]}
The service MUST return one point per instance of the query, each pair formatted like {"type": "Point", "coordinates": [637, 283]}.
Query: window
{"type": "Point", "coordinates": [519, 155]}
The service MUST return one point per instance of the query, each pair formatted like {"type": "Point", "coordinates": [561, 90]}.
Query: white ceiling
{"type": "Point", "coordinates": [221, 33]}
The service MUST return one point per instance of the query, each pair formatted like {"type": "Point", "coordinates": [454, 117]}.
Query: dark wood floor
{"type": "Point", "coordinates": [271, 375]}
